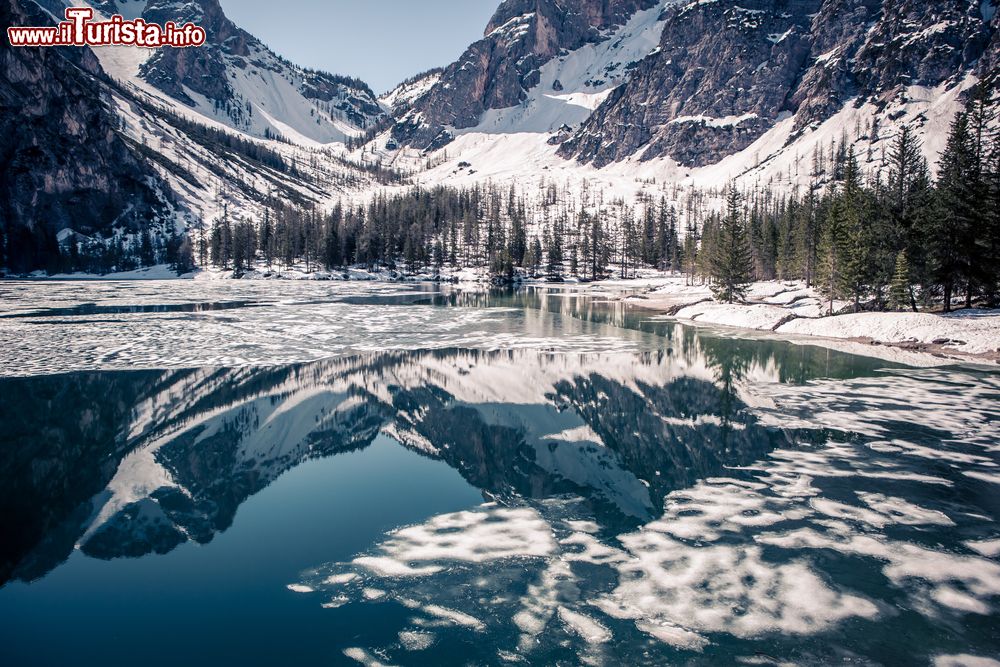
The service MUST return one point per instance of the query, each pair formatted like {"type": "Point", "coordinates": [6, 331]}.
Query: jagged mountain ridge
{"type": "Point", "coordinates": [236, 79]}
{"type": "Point", "coordinates": [722, 75]}
{"type": "Point", "coordinates": [725, 73]}
{"type": "Point", "coordinates": [496, 71]}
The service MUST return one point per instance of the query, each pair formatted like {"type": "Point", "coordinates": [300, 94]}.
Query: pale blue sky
{"type": "Point", "coordinates": [379, 41]}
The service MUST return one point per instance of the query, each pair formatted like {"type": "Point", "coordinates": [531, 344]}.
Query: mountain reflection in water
{"type": "Point", "coordinates": [636, 508]}
{"type": "Point", "coordinates": [136, 463]}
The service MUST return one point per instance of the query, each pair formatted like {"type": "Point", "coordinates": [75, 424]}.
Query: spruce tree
{"type": "Point", "coordinates": [900, 290]}
{"type": "Point", "coordinates": [992, 205]}
{"type": "Point", "coordinates": [982, 121]}
{"type": "Point", "coordinates": [833, 254]}
{"type": "Point", "coordinates": [731, 261]}
{"type": "Point", "coordinates": [846, 248]}
{"type": "Point", "coordinates": [807, 235]}
{"type": "Point", "coordinates": [954, 215]}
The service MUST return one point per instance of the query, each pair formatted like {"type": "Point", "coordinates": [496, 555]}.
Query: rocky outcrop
{"type": "Point", "coordinates": [206, 70]}
{"type": "Point", "coordinates": [496, 71]}
{"type": "Point", "coordinates": [726, 72]}
{"type": "Point", "coordinates": [63, 161]}
{"type": "Point", "coordinates": [201, 70]}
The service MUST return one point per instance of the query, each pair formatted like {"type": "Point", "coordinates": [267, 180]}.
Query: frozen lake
{"type": "Point", "coordinates": [324, 473]}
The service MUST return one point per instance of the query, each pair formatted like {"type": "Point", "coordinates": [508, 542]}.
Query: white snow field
{"type": "Point", "coordinates": [790, 308]}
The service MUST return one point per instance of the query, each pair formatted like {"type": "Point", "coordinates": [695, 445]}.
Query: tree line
{"type": "Point", "coordinates": [483, 227]}
{"type": "Point", "coordinates": [25, 249]}
{"type": "Point", "coordinates": [896, 241]}
{"type": "Point", "coordinates": [898, 238]}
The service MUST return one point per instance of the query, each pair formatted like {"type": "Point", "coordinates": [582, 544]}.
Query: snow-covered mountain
{"type": "Point", "coordinates": [724, 73]}
{"type": "Point", "coordinates": [697, 92]}
{"type": "Point", "coordinates": [497, 71]}
{"type": "Point", "coordinates": [235, 79]}
{"type": "Point", "coordinates": [105, 144]}
{"type": "Point", "coordinates": [627, 101]}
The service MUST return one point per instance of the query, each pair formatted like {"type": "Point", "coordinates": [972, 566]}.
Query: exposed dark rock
{"type": "Point", "coordinates": [62, 161]}
{"type": "Point", "coordinates": [204, 70]}
{"type": "Point", "coordinates": [726, 72]}
{"type": "Point", "coordinates": [495, 72]}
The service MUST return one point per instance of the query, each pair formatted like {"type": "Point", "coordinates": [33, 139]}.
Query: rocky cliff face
{"type": "Point", "coordinates": [496, 71]}
{"type": "Point", "coordinates": [63, 162]}
{"type": "Point", "coordinates": [726, 71]}
{"type": "Point", "coordinates": [201, 70]}
{"type": "Point", "coordinates": [723, 74]}
{"type": "Point", "coordinates": [214, 71]}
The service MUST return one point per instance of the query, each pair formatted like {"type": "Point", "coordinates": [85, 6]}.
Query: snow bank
{"type": "Point", "coordinates": [763, 317]}
{"type": "Point", "coordinates": [158, 272]}
{"type": "Point", "coordinates": [792, 308]}
{"type": "Point", "coordinates": [970, 331]}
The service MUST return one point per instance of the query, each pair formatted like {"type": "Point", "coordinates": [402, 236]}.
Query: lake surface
{"type": "Point", "coordinates": [321, 473]}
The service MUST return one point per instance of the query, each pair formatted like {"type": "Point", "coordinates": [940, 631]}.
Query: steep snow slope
{"type": "Point", "coordinates": [236, 127]}
{"type": "Point", "coordinates": [406, 93]}
{"type": "Point", "coordinates": [235, 79]}
{"type": "Point", "coordinates": [805, 93]}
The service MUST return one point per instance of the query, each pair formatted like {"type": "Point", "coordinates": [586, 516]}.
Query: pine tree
{"type": "Point", "coordinates": [982, 120]}
{"type": "Point", "coordinates": [648, 246]}
{"type": "Point", "coordinates": [266, 238]}
{"type": "Point", "coordinates": [901, 290]}
{"type": "Point", "coordinates": [331, 244]}
{"type": "Point", "coordinates": [146, 255]}
{"type": "Point", "coordinates": [555, 254]}
{"type": "Point", "coordinates": [707, 249]}
{"type": "Point", "coordinates": [833, 254]}
{"type": "Point", "coordinates": [689, 255]}
{"type": "Point", "coordinates": [731, 260]}
{"type": "Point", "coordinates": [184, 261]}
{"type": "Point", "coordinates": [992, 204]}
{"type": "Point", "coordinates": [533, 257]}
{"type": "Point", "coordinates": [954, 215]}
{"type": "Point", "coordinates": [906, 205]}
{"type": "Point", "coordinates": [598, 249]}
{"type": "Point", "coordinates": [808, 235]}
{"type": "Point", "coordinates": [518, 238]}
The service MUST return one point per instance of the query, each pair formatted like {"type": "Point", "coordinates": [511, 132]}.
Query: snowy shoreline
{"type": "Point", "coordinates": [792, 309]}
{"type": "Point", "coordinates": [787, 309]}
